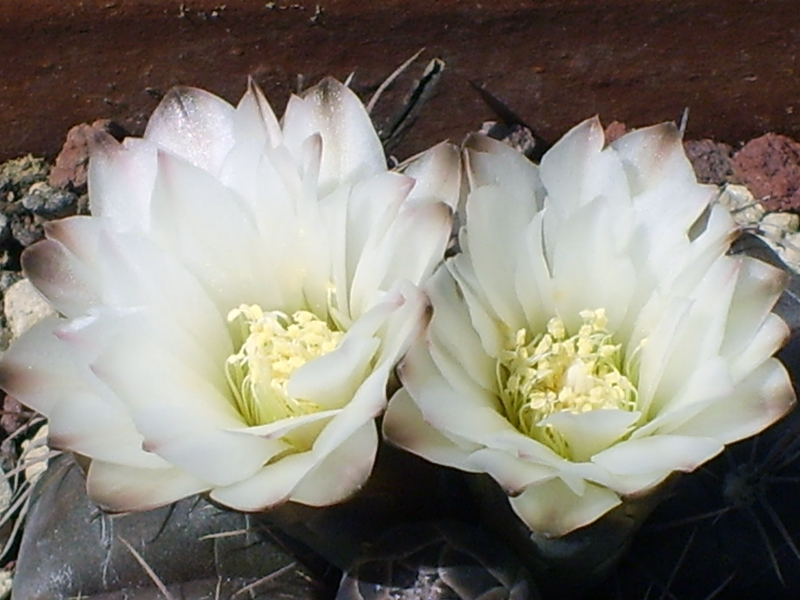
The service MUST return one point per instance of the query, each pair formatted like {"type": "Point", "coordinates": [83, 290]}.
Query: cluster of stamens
{"type": "Point", "coordinates": [273, 346]}
{"type": "Point", "coordinates": [551, 372]}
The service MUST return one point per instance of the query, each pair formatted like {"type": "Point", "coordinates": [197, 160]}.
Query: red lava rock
{"type": "Point", "coordinates": [770, 167]}
{"type": "Point", "coordinates": [69, 171]}
{"type": "Point", "coordinates": [615, 130]}
{"type": "Point", "coordinates": [712, 161]}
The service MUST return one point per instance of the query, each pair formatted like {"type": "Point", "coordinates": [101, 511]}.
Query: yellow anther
{"type": "Point", "coordinates": [273, 346]}
{"type": "Point", "coordinates": [550, 373]}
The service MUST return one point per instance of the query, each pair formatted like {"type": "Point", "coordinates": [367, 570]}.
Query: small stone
{"type": "Point", "coordinates": [51, 203]}
{"type": "Point", "coordinates": [17, 175]}
{"type": "Point", "coordinates": [614, 131]}
{"type": "Point", "coordinates": [8, 278]}
{"type": "Point", "coordinates": [5, 583]}
{"type": "Point", "coordinates": [742, 205]}
{"type": "Point", "coordinates": [789, 250]}
{"type": "Point", "coordinates": [770, 167]}
{"type": "Point", "coordinates": [26, 229]}
{"type": "Point", "coordinates": [784, 222]}
{"type": "Point", "coordinates": [5, 227]}
{"type": "Point", "coordinates": [14, 415]}
{"type": "Point", "coordinates": [24, 307]}
{"type": "Point", "coordinates": [712, 161]}
{"type": "Point", "coordinates": [517, 136]}
{"type": "Point", "coordinates": [71, 166]}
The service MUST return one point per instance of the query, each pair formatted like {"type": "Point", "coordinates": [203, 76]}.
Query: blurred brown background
{"type": "Point", "coordinates": [734, 63]}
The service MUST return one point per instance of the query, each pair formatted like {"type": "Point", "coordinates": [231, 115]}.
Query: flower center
{"type": "Point", "coordinates": [551, 373]}
{"type": "Point", "coordinates": [273, 346]}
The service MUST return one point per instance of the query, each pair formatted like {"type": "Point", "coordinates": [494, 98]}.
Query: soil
{"type": "Point", "coordinates": [734, 63]}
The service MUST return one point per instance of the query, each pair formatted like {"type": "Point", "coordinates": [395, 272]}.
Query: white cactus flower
{"type": "Point", "coordinates": [593, 336]}
{"type": "Point", "coordinates": [232, 309]}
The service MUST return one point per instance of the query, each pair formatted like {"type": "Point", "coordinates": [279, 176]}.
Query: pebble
{"type": "Point", "coordinates": [24, 307]}
{"type": "Point", "coordinates": [5, 584]}
{"type": "Point", "coordinates": [8, 278]}
{"type": "Point", "coordinates": [46, 201]}
{"type": "Point", "coordinates": [19, 174]}
{"type": "Point", "coordinates": [26, 229]}
{"type": "Point", "coordinates": [70, 170]}
{"type": "Point", "coordinates": [770, 167]}
{"type": "Point", "coordinates": [739, 200]}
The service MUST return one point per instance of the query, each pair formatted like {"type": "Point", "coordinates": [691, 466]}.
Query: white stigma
{"type": "Point", "coordinates": [273, 346]}
{"type": "Point", "coordinates": [552, 373]}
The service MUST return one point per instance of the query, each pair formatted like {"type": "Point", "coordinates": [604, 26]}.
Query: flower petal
{"type": "Point", "coordinates": [38, 371]}
{"type": "Point", "coordinates": [214, 452]}
{"type": "Point", "coordinates": [411, 249]}
{"type": "Point", "coordinates": [194, 125]}
{"type": "Point", "coordinates": [553, 509]}
{"type": "Point", "coordinates": [514, 474]}
{"type": "Point", "coordinates": [493, 163]}
{"type": "Point", "coordinates": [709, 383]}
{"type": "Point", "coordinates": [588, 433]}
{"type": "Point", "coordinates": [342, 473]}
{"type": "Point", "coordinates": [771, 337]}
{"type": "Point", "coordinates": [254, 117]}
{"type": "Point", "coordinates": [351, 149]}
{"type": "Point", "coordinates": [589, 270]}
{"type": "Point", "coordinates": [407, 320]}
{"type": "Point", "coordinates": [658, 454]}
{"type": "Point", "coordinates": [255, 128]}
{"type": "Point", "coordinates": [405, 427]}
{"type": "Point", "coordinates": [576, 170]}
{"type": "Point", "coordinates": [700, 335]}
{"type": "Point", "coordinates": [117, 488]}
{"type": "Point", "coordinates": [370, 209]}
{"type": "Point", "coordinates": [202, 223]}
{"type": "Point", "coordinates": [331, 380]}
{"type": "Point", "coordinates": [368, 403]}
{"type": "Point", "coordinates": [484, 320]}
{"type": "Point", "coordinates": [60, 277]}
{"type": "Point", "coordinates": [759, 400]}
{"type": "Point", "coordinates": [436, 174]}
{"type": "Point", "coordinates": [488, 212]}
{"type": "Point", "coordinates": [281, 427]}
{"type": "Point", "coordinates": [454, 345]}
{"type": "Point", "coordinates": [533, 280]}
{"type": "Point", "coordinates": [657, 167]}
{"type": "Point", "coordinates": [183, 417]}
{"type": "Point", "coordinates": [477, 418]}
{"type": "Point", "coordinates": [100, 427]}
{"type": "Point", "coordinates": [758, 288]}
{"type": "Point", "coordinates": [276, 481]}
{"type": "Point", "coordinates": [120, 180]}
{"type": "Point", "coordinates": [269, 487]}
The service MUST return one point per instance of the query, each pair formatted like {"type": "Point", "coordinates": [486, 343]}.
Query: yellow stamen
{"type": "Point", "coordinates": [550, 373]}
{"type": "Point", "coordinates": [273, 346]}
